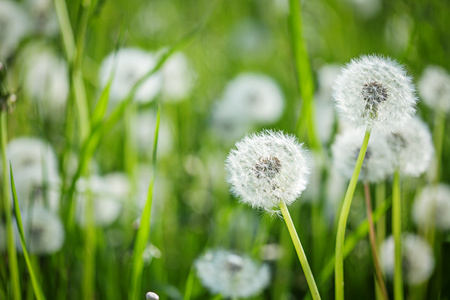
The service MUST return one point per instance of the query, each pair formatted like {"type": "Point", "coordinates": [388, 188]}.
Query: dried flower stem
{"type": "Point", "coordinates": [340, 237]}
{"type": "Point", "coordinates": [301, 254]}
{"type": "Point", "coordinates": [373, 243]}
{"type": "Point", "coordinates": [397, 232]}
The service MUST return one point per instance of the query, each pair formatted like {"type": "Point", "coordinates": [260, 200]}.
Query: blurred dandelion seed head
{"type": "Point", "coordinates": [434, 88]}
{"type": "Point", "coordinates": [232, 275]}
{"type": "Point", "coordinates": [432, 207]}
{"type": "Point", "coordinates": [266, 168]}
{"type": "Point", "coordinates": [375, 93]}
{"type": "Point", "coordinates": [417, 258]}
{"type": "Point", "coordinates": [378, 162]}
{"type": "Point", "coordinates": [412, 147]}
{"type": "Point", "coordinates": [43, 229]}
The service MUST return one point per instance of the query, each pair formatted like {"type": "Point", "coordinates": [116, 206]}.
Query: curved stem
{"type": "Point", "coordinates": [300, 252]}
{"type": "Point", "coordinates": [340, 237]}
{"type": "Point", "coordinates": [397, 232]}
{"type": "Point", "coordinates": [373, 243]}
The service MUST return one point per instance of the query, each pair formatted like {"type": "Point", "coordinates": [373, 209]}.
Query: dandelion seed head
{"type": "Point", "coordinates": [178, 78]}
{"type": "Point", "coordinates": [378, 162]}
{"type": "Point", "coordinates": [257, 96]}
{"type": "Point", "coordinates": [108, 194]}
{"type": "Point", "coordinates": [129, 65]}
{"type": "Point", "coordinates": [375, 93]}
{"type": "Point", "coordinates": [432, 207]}
{"type": "Point", "coordinates": [434, 88]}
{"type": "Point", "coordinates": [14, 26]}
{"type": "Point", "coordinates": [412, 147]}
{"type": "Point", "coordinates": [266, 168]}
{"type": "Point", "coordinates": [232, 275]}
{"type": "Point", "coordinates": [43, 230]}
{"type": "Point", "coordinates": [417, 258]}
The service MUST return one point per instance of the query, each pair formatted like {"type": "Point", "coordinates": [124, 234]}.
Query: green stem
{"type": "Point", "coordinates": [340, 237]}
{"type": "Point", "coordinates": [304, 76]}
{"type": "Point", "coordinates": [438, 134]}
{"type": "Point", "coordinates": [380, 195]}
{"type": "Point", "coordinates": [13, 265]}
{"type": "Point", "coordinates": [373, 242]}
{"type": "Point", "coordinates": [301, 254]}
{"type": "Point", "coordinates": [397, 232]}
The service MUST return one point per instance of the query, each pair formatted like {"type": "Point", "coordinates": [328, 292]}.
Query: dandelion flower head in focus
{"type": "Point", "coordinates": [231, 275]}
{"type": "Point", "coordinates": [417, 258]}
{"type": "Point", "coordinates": [375, 93]}
{"type": "Point", "coordinates": [432, 207]}
{"type": "Point", "coordinates": [266, 168]}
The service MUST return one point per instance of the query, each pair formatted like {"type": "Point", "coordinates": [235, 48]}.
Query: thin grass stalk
{"type": "Point", "coordinates": [304, 76]}
{"type": "Point", "coordinates": [352, 240]}
{"type": "Point", "coordinates": [438, 134]}
{"type": "Point", "coordinates": [300, 252]}
{"type": "Point", "coordinates": [380, 194]}
{"type": "Point", "coordinates": [340, 237]}
{"type": "Point", "coordinates": [143, 233]}
{"type": "Point", "coordinates": [34, 282]}
{"type": "Point", "coordinates": [11, 246]}
{"type": "Point", "coordinates": [89, 250]}
{"type": "Point", "coordinates": [373, 243]}
{"type": "Point", "coordinates": [397, 232]}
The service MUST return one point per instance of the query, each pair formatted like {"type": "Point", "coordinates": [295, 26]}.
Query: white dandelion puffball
{"type": "Point", "coordinates": [412, 147]}
{"type": "Point", "coordinates": [266, 168]}
{"type": "Point", "coordinates": [432, 207]}
{"type": "Point", "coordinates": [231, 275]}
{"type": "Point", "coordinates": [378, 162]}
{"type": "Point", "coordinates": [129, 65]}
{"type": "Point", "coordinates": [14, 26]}
{"type": "Point", "coordinates": [229, 123]}
{"type": "Point", "coordinates": [35, 170]}
{"type": "Point", "coordinates": [417, 258]}
{"type": "Point", "coordinates": [434, 88]}
{"type": "Point", "coordinates": [143, 131]}
{"type": "Point", "coordinates": [178, 78]}
{"type": "Point", "coordinates": [375, 93]}
{"type": "Point", "coordinates": [107, 194]}
{"type": "Point", "coordinates": [257, 96]}
{"type": "Point", "coordinates": [43, 230]}
{"type": "Point", "coordinates": [46, 81]}
{"type": "Point", "coordinates": [43, 16]}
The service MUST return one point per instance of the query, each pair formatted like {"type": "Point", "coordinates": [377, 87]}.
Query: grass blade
{"type": "Point", "coordinates": [36, 287]}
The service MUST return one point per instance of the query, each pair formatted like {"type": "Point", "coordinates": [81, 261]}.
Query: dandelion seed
{"type": "Point", "coordinates": [412, 147]}
{"type": "Point", "coordinates": [378, 162]}
{"type": "Point", "coordinates": [432, 207]}
{"type": "Point", "coordinates": [43, 230]}
{"type": "Point", "coordinates": [434, 88]}
{"type": "Point", "coordinates": [375, 93]}
{"type": "Point", "coordinates": [129, 65]}
{"type": "Point", "coordinates": [417, 258]}
{"type": "Point", "coordinates": [267, 168]}
{"type": "Point", "coordinates": [231, 275]}
{"type": "Point", "coordinates": [151, 296]}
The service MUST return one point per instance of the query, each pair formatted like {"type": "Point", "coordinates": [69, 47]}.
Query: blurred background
{"type": "Point", "coordinates": [231, 52]}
